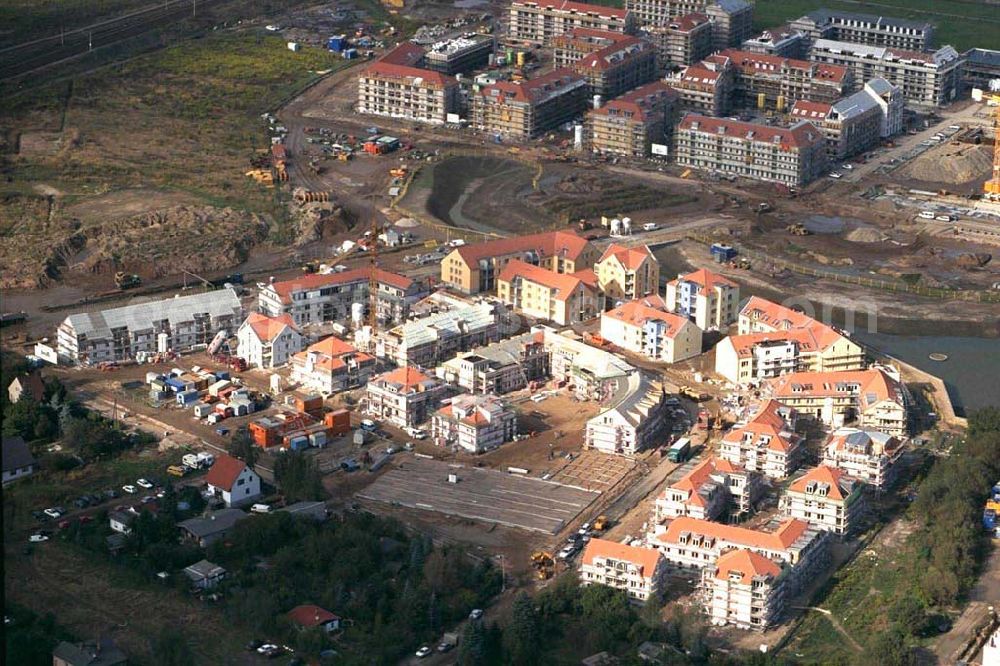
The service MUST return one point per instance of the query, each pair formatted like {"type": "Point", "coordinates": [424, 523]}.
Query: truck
{"type": "Point", "coordinates": [680, 451]}
{"type": "Point", "coordinates": [190, 460]}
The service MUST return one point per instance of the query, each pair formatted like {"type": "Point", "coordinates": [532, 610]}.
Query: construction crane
{"type": "Point", "coordinates": [991, 189]}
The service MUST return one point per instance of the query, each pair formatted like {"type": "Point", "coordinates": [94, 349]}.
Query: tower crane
{"type": "Point", "coordinates": [991, 189]}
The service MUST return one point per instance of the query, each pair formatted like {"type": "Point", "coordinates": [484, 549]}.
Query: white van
{"type": "Point", "coordinates": [926, 214]}
{"type": "Point", "coordinates": [260, 508]}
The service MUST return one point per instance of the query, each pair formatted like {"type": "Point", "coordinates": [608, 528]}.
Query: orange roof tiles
{"type": "Point", "coordinates": [692, 482]}
{"type": "Point", "coordinates": [807, 110]}
{"type": "Point", "coordinates": [831, 476]}
{"type": "Point", "coordinates": [629, 257]}
{"type": "Point", "coordinates": [756, 62]}
{"type": "Point", "coordinates": [801, 135]}
{"type": "Point", "coordinates": [587, 276]}
{"type": "Point", "coordinates": [688, 22]}
{"type": "Point", "coordinates": [566, 243]}
{"type": "Point", "coordinates": [780, 540]}
{"type": "Point", "coordinates": [746, 564]}
{"type": "Point", "coordinates": [767, 423]}
{"type": "Point", "coordinates": [225, 471]}
{"type": "Point", "coordinates": [308, 615]}
{"type": "Point", "coordinates": [408, 377]}
{"type": "Point", "coordinates": [638, 102]}
{"type": "Point", "coordinates": [872, 385]}
{"type": "Point", "coordinates": [268, 328]}
{"type": "Point", "coordinates": [531, 90]}
{"type": "Point", "coordinates": [564, 284]}
{"type": "Point", "coordinates": [285, 288]}
{"type": "Point", "coordinates": [613, 55]}
{"type": "Point", "coordinates": [332, 352]}
{"type": "Point", "coordinates": [577, 7]}
{"type": "Point", "coordinates": [780, 318]}
{"type": "Point", "coordinates": [638, 311]}
{"type": "Point", "coordinates": [645, 559]}
{"type": "Point", "coordinates": [705, 279]}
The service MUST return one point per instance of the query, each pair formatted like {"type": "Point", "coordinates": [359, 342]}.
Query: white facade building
{"type": "Point", "coordinates": [868, 455]}
{"type": "Point", "coordinates": [638, 571]}
{"type": "Point", "coordinates": [645, 327]}
{"type": "Point", "coordinates": [767, 443]}
{"type": "Point", "coordinates": [268, 342]}
{"type": "Point", "coordinates": [745, 589]}
{"type": "Point", "coordinates": [404, 397]}
{"type": "Point", "coordinates": [711, 301]}
{"type": "Point", "coordinates": [826, 497]}
{"type": "Point", "coordinates": [232, 480]}
{"type": "Point", "coordinates": [474, 423]}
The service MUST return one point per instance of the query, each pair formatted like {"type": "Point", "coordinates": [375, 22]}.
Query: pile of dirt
{"type": "Point", "coordinates": [866, 235]}
{"type": "Point", "coordinates": [953, 165]}
{"type": "Point", "coordinates": [320, 220]}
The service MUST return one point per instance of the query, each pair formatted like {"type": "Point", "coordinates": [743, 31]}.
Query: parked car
{"type": "Point", "coordinates": [143, 483]}
{"type": "Point", "coordinates": [111, 493]}
{"type": "Point", "coordinates": [130, 489]}
{"type": "Point", "coordinates": [37, 538]}
{"type": "Point", "coordinates": [476, 614]}
{"type": "Point", "coordinates": [390, 450]}
{"type": "Point", "coordinates": [650, 226]}
{"type": "Point", "coordinates": [836, 175]}
{"type": "Point", "coordinates": [445, 646]}
{"type": "Point", "coordinates": [423, 652]}
{"type": "Point", "coordinates": [408, 446]}
{"type": "Point", "coordinates": [53, 512]}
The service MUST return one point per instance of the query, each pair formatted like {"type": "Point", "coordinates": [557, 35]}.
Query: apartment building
{"type": "Point", "coordinates": [176, 324]}
{"type": "Point", "coordinates": [645, 327]}
{"type": "Point", "coordinates": [314, 299]}
{"type": "Point", "coordinates": [774, 340]}
{"type": "Point", "coordinates": [564, 299]}
{"type": "Point", "coordinates": [744, 589]}
{"type": "Point", "coordinates": [689, 544]}
{"type": "Point", "coordinates": [524, 109]}
{"type": "Point", "coordinates": [851, 125]}
{"type": "Point", "coordinates": [981, 67]}
{"type": "Point", "coordinates": [331, 366]}
{"type": "Point", "coordinates": [866, 454]}
{"type": "Point", "coordinates": [793, 156]}
{"type": "Point", "coordinates": [705, 492]}
{"type": "Point", "coordinates": [430, 340]}
{"type": "Point", "coordinates": [706, 87]}
{"type": "Point", "coordinates": [474, 268]}
{"type": "Point", "coordinates": [866, 29]}
{"type": "Point", "coordinates": [268, 342]}
{"type": "Point", "coordinates": [682, 41]}
{"type": "Point", "coordinates": [474, 423]}
{"type": "Point", "coordinates": [892, 106]}
{"type": "Point", "coordinates": [499, 368]}
{"type": "Point", "coordinates": [611, 71]}
{"type": "Point", "coordinates": [539, 21]}
{"type": "Point", "coordinates": [783, 41]}
{"type": "Point", "coordinates": [635, 416]}
{"type": "Point", "coordinates": [766, 443]}
{"type": "Point", "coordinates": [732, 22]}
{"type": "Point", "coordinates": [928, 79]}
{"type": "Point", "coordinates": [395, 86]}
{"type": "Point", "coordinates": [460, 55]}
{"type": "Point", "coordinates": [866, 398]}
{"type": "Point", "coordinates": [627, 273]}
{"type": "Point", "coordinates": [637, 124]}
{"type": "Point", "coordinates": [404, 397]}
{"type": "Point", "coordinates": [591, 372]}
{"type": "Point", "coordinates": [637, 571]}
{"type": "Point", "coordinates": [827, 498]}
{"type": "Point", "coordinates": [572, 46]}
{"type": "Point", "coordinates": [708, 299]}
{"type": "Point", "coordinates": [776, 82]}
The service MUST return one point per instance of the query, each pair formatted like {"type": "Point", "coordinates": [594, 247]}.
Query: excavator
{"type": "Point", "coordinates": [127, 280]}
{"type": "Point", "coordinates": [544, 564]}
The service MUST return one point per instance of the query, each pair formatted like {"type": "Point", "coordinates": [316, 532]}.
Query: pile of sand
{"type": "Point", "coordinates": [954, 165]}
{"type": "Point", "coordinates": [866, 235]}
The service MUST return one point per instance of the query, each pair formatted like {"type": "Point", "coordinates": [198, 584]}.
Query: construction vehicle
{"type": "Point", "coordinates": [235, 363]}
{"type": "Point", "coordinates": [261, 176]}
{"type": "Point", "coordinates": [398, 172]}
{"type": "Point", "coordinates": [601, 523]}
{"type": "Point", "coordinates": [689, 392]}
{"type": "Point", "coordinates": [310, 267]}
{"type": "Point", "coordinates": [798, 229]}
{"type": "Point", "coordinates": [991, 188]}
{"type": "Point", "coordinates": [127, 280]}
{"type": "Point", "coordinates": [216, 344]}
{"type": "Point", "coordinates": [303, 196]}
{"type": "Point", "coordinates": [544, 564]}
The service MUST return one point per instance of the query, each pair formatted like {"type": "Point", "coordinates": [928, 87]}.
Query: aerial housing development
{"type": "Point", "coordinates": [509, 332]}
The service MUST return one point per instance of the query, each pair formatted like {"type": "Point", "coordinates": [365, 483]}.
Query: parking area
{"type": "Point", "coordinates": [593, 470]}
{"type": "Point", "coordinates": [480, 494]}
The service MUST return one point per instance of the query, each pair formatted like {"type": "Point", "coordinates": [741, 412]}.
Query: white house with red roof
{"type": "Point", "coordinates": [308, 616]}
{"type": "Point", "coordinates": [865, 454]}
{"type": "Point", "coordinates": [268, 342]}
{"type": "Point", "coordinates": [233, 481]}
{"type": "Point", "coordinates": [645, 327]}
{"type": "Point", "coordinates": [744, 589]}
{"type": "Point", "coordinates": [474, 423]}
{"type": "Point", "coordinates": [636, 570]}
{"type": "Point", "coordinates": [331, 366]}
{"type": "Point", "coordinates": [404, 397]}
{"type": "Point", "coordinates": [627, 273]}
{"type": "Point", "coordinates": [708, 299]}
{"type": "Point", "coordinates": [766, 443]}
{"type": "Point", "coordinates": [707, 489]}
{"type": "Point", "coordinates": [826, 497]}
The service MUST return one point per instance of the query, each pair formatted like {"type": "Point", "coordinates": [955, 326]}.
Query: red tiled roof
{"type": "Point", "coordinates": [781, 318]}
{"type": "Point", "coordinates": [644, 558]}
{"type": "Point", "coordinates": [747, 564]}
{"type": "Point", "coordinates": [567, 243]}
{"type": "Point", "coordinates": [705, 279]}
{"type": "Point", "coordinates": [578, 7]}
{"type": "Point", "coordinates": [613, 55]}
{"type": "Point", "coordinates": [590, 36]}
{"type": "Point", "coordinates": [529, 91]}
{"type": "Point", "coordinates": [587, 276]}
{"type": "Point", "coordinates": [268, 328]}
{"type": "Point", "coordinates": [779, 540]}
{"type": "Point", "coordinates": [873, 385]}
{"type": "Point", "coordinates": [224, 472]}
{"type": "Point", "coordinates": [799, 136]}
{"type": "Point", "coordinates": [767, 422]}
{"type": "Point", "coordinates": [407, 376]}
{"type": "Point", "coordinates": [564, 284]}
{"type": "Point", "coordinates": [807, 110]}
{"type": "Point", "coordinates": [688, 22]}
{"type": "Point", "coordinates": [285, 288]}
{"type": "Point", "coordinates": [629, 257]}
{"type": "Point", "coordinates": [831, 476]}
{"type": "Point", "coordinates": [638, 102]}
{"type": "Point", "coordinates": [750, 62]}
{"type": "Point", "coordinates": [641, 310]}
{"type": "Point", "coordinates": [308, 615]}
{"type": "Point", "coordinates": [427, 77]}
{"type": "Point", "coordinates": [407, 54]}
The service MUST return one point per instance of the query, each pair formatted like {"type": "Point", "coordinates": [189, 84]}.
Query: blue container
{"type": "Point", "coordinates": [298, 443]}
{"type": "Point", "coordinates": [337, 43]}
{"type": "Point", "coordinates": [222, 374]}
{"type": "Point", "coordinates": [175, 385]}
{"type": "Point", "coordinates": [722, 252]}
{"type": "Point", "coordinates": [350, 54]}
{"type": "Point", "coordinates": [187, 397]}
{"type": "Point", "coordinates": [989, 519]}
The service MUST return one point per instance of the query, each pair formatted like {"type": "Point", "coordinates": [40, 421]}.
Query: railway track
{"type": "Point", "coordinates": [39, 54]}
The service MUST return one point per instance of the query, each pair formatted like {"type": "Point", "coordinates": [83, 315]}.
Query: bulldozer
{"type": "Point", "coordinates": [544, 564]}
{"type": "Point", "coordinates": [127, 280]}
{"type": "Point", "coordinates": [798, 229]}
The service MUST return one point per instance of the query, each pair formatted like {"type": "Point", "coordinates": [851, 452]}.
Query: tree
{"type": "Point", "coordinates": [170, 648]}
{"type": "Point", "coordinates": [298, 477]}
{"type": "Point", "coordinates": [522, 634]}
{"type": "Point", "coordinates": [472, 647]}
{"type": "Point", "coordinates": [242, 446]}
{"type": "Point", "coordinates": [909, 614]}
{"type": "Point", "coordinates": [890, 649]}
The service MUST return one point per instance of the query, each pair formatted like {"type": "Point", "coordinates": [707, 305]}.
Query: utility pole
{"type": "Point", "coordinates": [194, 7]}
{"type": "Point", "coordinates": [90, 41]}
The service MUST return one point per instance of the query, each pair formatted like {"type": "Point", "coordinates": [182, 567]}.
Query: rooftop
{"type": "Point", "coordinates": [641, 310]}
{"type": "Point", "coordinates": [785, 537]}
{"type": "Point", "coordinates": [568, 244]}
{"type": "Point", "coordinates": [310, 615]}
{"type": "Point", "coordinates": [825, 16]}
{"type": "Point", "coordinates": [872, 385]}
{"type": "Point", "coordinates": [537, 90]}
{"type": "Point", "coordinates": [225, 471]}
{"type": "Point", "coordinates": [638, 102]}
{"type": "Point", "coordinates": [576, 7]}
{"type": "Point", "coordinates": [16, 454]}
{"type": "Point", "coordinates": [147, 316]}
{"type": "Point", "coordinates": [268, 328]}
{"type": "Point", "coordinates": [746, 565]}
{"type": "Point", "coordinates": [800, 135]}
{"type": "Point", "coordinates": [645, 559]}
{"type": "Point", "coordinates": [563, 284]}
{"type": "Point", "coordinates": [213, 522]}
{"type": "Point", "coordinates": [705, 279]}
{"type": "Point", "coordinates": [286, 288]}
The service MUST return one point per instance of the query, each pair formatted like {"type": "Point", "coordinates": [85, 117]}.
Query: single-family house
{"type": "Point", "coordinates": [18, 463]}
{"type": "Point", "coordinates": [268, 342]}
{"type": "Point", "coordinates": [30, 384]}
{"type": "Point", "coordinates": [233, 480]}
{"type": "Point", "coordinates": [204, 574]}
{"type": "Point", "coordinates": [214, 525]}
{"type": "Point", "coordinates": [308, 616]}
{"type": "Point", "coordinates": [99, 652]}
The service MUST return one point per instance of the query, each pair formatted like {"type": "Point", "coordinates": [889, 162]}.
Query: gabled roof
{"type": "Point", "coordinates": [577, 7]}
{"type": "Point", "coordinates": [863, 441]}
{"type": "Point", "coordinates": [629, 257]}
{"type": "Point", "coordinates": [746, 564]}
{"type": "Point", "coordinates": [310, 615]}
{"type": "Point", "coordinates": [286, 288]}
{"type": "Point", "coordinates": [643, 558]}
{"type": "Point", "coordinates": [696, 479]}
{"type": "Point", "coordinates": [565, 243]}
{"type": "Point", "coordinates": [32, 385]}
{"type": "Point", "coordinates": [800, 135]}
{"type": "Point", "coordinates": [407, 377]}
{"type": "Point", "coordinates": [807, 110]}
{"type": "Point", "coordinates": [688, 22]}
{"type": "Point", "coordinates": [225, 471]}
{"type": "Point", "coordinates": [407, 54]}
{"type": "Point", "coordinates": [268, 328]}
{"type": "Point", "coordinates": [705, 279]}
{"type": "Point", "coordinates": [16, 454]}
{"type": "Point", "coordinates": [788, 532]}
{"type": "Point", "coordinates": [834, 479]}
{"type": "Point", "coordinates": [534, 90]}
{"type": "Point", "coordinates": [213, 523]}
{"type": "Point", "coordinates": [750, 62]}
{"type": "Point", "coordinates": [871, 386]}
{"type": "Point", "coordinates": [613, 55]}
{"type": "Point", "coordinates": [780, 318]}
{"type": "Point", "coordinates": [563, 283]}
{"type": "Point", "coordinates": [767, 424]}
{"type": "Point", "coordinates": [639, 102]}
{"type": "Point", "coordinates": [641, 310]}
{"type": "Point", "coordinates": [332, 354]}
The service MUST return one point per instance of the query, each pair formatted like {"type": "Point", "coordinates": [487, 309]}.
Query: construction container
{"type": "Point", "coordinates": [520, 58]}
{"type": "Point", "coordinates": [510, 56]}
{"type": "Point", "coordinates": [187, 397]}
{"type": "Point", "coordinates": [310, 404]}
{"type": "Point", "coordinates": [298, 443]}
{"type": "Point", "coordinates": [213, 390]}
{"type": "Point", "coordinates": [158, 385]}
{"type": "Point", "coordinates": [337, 43]}
{"type": "Point", "coordinates": [722, 253]}
{"type": "Point", "coordinates": [201, 411]}
{"type": "Point", "coordinates": [318, 439]}
{"type": "Point", "coordinates": [338, 421]}
{"type": "Point", "coordinates": [176, 385]}
{"type": "Point", "coordinates": [293, 46]}
{"type": "Point", "coordinates": [152, 377]}
{"type": "Point", "coordinates": [222, 374]}
{"type": "Point", "coordinates": [350, 54]}
{"type": "Point", "coordinates": [359, 437]}
{"type": "Point", "coordinates": [266, 432]}
{"type": "Point", "coordinates": [158, 394]}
